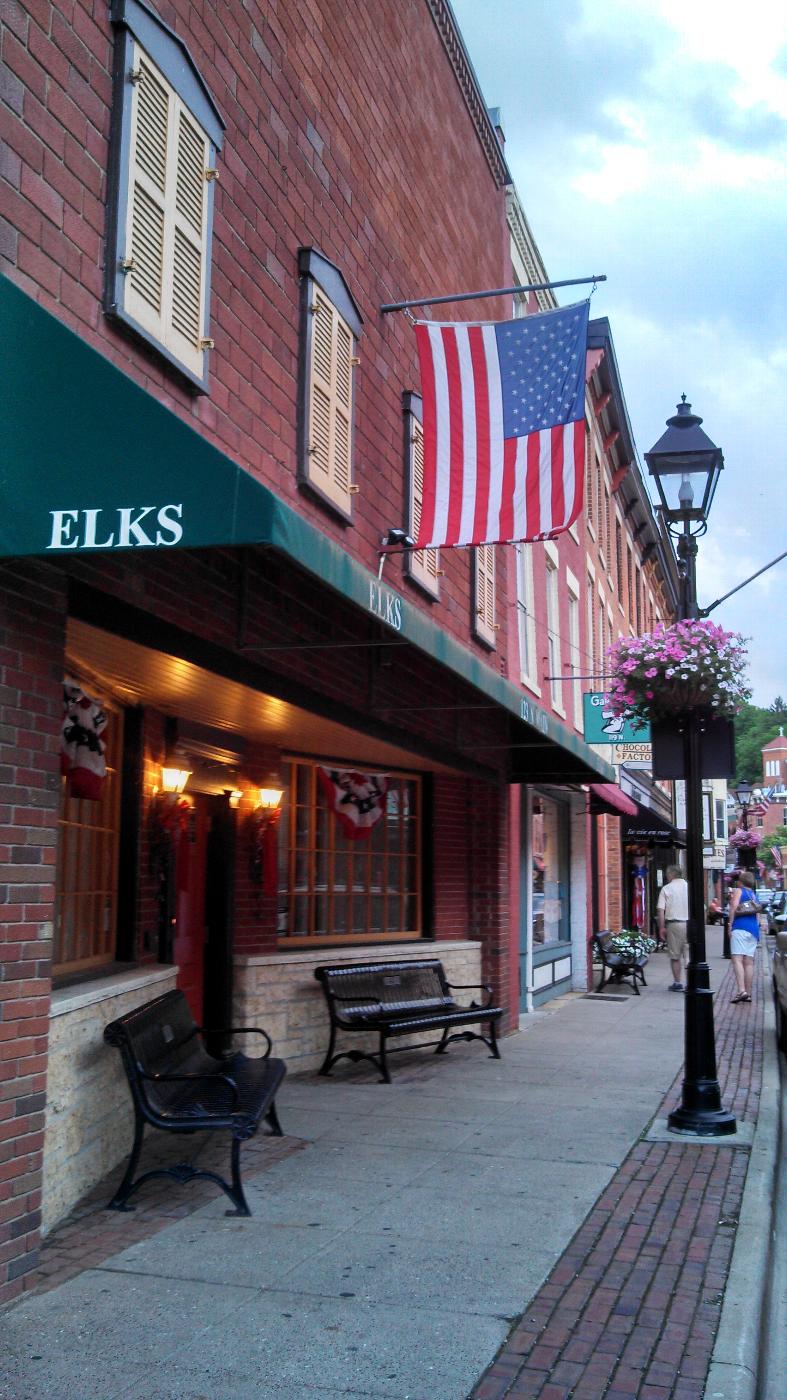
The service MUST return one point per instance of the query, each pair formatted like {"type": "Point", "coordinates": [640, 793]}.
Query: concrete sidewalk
{"type": "Point", "coordinates": [495, 1229]}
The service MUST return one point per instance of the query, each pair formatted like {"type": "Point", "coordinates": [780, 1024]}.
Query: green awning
{"type": "Point", "coordinates": [92, 463]}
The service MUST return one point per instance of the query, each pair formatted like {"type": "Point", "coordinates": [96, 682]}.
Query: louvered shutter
{"type": "Point", "coordinates": [330, 402]}
{"type": "Point", "coordinates": [485, 594]}
{"type": "Point", "coordinates": [147, 204]}
{"type": "Point", "coordinates": [189, 229]}
{"type": "Point", "coordinates": [166, 233]}
{"type": "Point", "coordinates": [424, 563]}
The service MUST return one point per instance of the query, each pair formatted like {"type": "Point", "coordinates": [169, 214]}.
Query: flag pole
{"type": "Point", "coordinates": [496, 292]}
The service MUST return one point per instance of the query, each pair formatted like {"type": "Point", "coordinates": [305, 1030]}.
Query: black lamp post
{"type": "Point", "coordinates": [685, 465]}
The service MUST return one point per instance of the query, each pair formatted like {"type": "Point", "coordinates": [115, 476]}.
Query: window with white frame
{"type": "Point", "coordinates": [484, 625]}
{"type": "Point", "coordinates": [591, 625]}
{"type": "Point", "coordinates": [553, 628]}
{"type": "Point", "coordinates": [574, 653]}
{"type": "Point", "coordinates": [166, 135]}
{"type": "Point", "coordinates": [526, 616]}
{"type": "Point", "coordinates": [721, 819]}
{"type": "Point", "coordinates": [330, 327]}
{"type": "Point", "coordinates": [421, 565]}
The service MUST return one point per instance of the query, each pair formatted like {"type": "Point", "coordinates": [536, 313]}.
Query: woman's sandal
{"type": "Point", "coordinates": [741, 996]}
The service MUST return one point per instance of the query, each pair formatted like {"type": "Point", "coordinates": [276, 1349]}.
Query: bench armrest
{"type": "Point", "coordinates": [190, 1079]}
{"type": "Point", "coordinates": [238, 1030]}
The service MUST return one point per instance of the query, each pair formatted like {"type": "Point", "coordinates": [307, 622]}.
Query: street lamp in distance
{"type": "Point", "coordinates": [685, 466]}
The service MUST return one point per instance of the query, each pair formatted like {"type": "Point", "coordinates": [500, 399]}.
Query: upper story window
{"type": "Point", "coordinates": [422, 565]}
{"type": "Point", "coordinates": [484, 625]}
{"type": "Point", "coordinates": [166, 135]}
{"type": "Point", "coordinates": [330, 327]}
{"type": "Point", "coordinates": [574, 652]}
{"type": "Point", "coordinates": [526, 614]}
{"type": "Point", "coordinates": [553, 627]}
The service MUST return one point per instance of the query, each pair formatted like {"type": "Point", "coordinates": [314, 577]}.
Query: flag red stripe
{"type": "Point", "coordinates": [430, 432]}
{"type": "Point", "coordinates": [579, 471]}
{"type": "Point", "coordinates": [481, 390]}
{"type": "Point", "coordinates": [454, 377]}
{"type": "Point", "coordinates": [558, 494]}
{"type": "Point", "coordinates": [507, 492]}
{"type": "Point", "coordinates": [532, 488]}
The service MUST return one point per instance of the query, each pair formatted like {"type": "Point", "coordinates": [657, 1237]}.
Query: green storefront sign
{"type": "Point", "coordinates": [602, 728]}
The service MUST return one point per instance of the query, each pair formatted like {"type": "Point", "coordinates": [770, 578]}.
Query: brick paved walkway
{"type": "Point", "coordinates": [631, 1310]}
{"type": "Point", "coordinates": [92, 1233]}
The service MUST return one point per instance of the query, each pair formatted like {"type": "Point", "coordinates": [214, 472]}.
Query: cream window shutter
{"type": "Point", "coordinates": [485, 626]}
{"type": "Point", "coordinates": [424, 563]}
{"type": "Point", "coordinates": [166, 232]}
{"type": "Point", "coordinates": [330, 402]}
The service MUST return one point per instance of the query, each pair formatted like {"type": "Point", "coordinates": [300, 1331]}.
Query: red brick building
{"type": "Point", "coordinates": [210, 425]}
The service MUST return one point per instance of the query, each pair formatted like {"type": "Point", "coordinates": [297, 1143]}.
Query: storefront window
{"type": "Point", "coordinates": [549, 843]}
{"type": "Point", "coordinates": [333, 888]}
{"type": "Point", "coordinates": [86, 891]}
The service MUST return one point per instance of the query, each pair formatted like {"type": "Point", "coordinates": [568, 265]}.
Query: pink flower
{"type": "Point", "coordinates": [651, 673]}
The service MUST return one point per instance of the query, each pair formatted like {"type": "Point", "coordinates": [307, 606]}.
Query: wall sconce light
{"type": "Point", "coordinates": [264, 824]}
{"type": "Point", "coordinates": [234, 798]}
{"type": "Point", "coordinates": [173, 780]}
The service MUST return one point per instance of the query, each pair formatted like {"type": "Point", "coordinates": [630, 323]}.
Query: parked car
{"type": "Point", "coordinates": [780, 987]}
{"type": "Point", "coordinates": [765, 896]}
{"type": "Point", "coordinates": [777, 913]}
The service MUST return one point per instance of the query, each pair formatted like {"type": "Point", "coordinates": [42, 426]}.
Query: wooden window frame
{"type": "Point", "coordinates": [324, 292]}
{"type": "Point", "coordinates": [72, 882]}
{"type": "Point", "coordinates": [361, 853]}
{"type": "Point", "coordinates": [143, 41]}
{"type": "Point", "coordinates": [421, 566]}
{"type": "Point", "coordinates": [484, 595]}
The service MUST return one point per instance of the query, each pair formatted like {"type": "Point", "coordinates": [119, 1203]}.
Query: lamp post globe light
{"type": "Point", "coordinates": [685, 466]}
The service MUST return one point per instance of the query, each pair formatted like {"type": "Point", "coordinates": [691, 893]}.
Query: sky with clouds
{"type": "Point", "coordinates": [648, 141]}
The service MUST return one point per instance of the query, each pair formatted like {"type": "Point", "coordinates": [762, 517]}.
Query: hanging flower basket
{"type": "Point", "coordinates": [676, 670]}
{"type": "Point", "coordinates": [744, 840]}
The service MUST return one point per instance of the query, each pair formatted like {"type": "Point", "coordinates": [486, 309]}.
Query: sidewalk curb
{"type": "Point", "coordinates": [735, 1361]}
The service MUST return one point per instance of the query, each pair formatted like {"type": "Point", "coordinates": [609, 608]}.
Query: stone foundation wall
{"type": "Point", "coordinates": [279, 992]}
{"type": "Point", "coordinates": [89, 1117]}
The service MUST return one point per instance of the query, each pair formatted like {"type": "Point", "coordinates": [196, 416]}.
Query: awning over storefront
{"type": "Point", "coordinates": [608, 797]}
{"type": "Point", "coordinates": [649, 829]}
{"type": "Point", "coordinates": [93, 464]}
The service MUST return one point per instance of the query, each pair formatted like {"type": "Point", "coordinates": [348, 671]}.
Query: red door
{"type": "Point", "coordinates": [190, 927]}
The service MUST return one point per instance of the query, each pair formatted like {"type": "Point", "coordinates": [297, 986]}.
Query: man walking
{"type": "Point", "coordinates": [672, 910]}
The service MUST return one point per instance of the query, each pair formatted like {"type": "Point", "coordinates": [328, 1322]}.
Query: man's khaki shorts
{"type": "Point", "coordinates": [677, 940]}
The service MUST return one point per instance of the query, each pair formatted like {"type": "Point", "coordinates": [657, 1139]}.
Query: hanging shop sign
{"type": "Point", "coordinates": [633, 755]}
{"type": "Point", "coordinates": [602, 727]}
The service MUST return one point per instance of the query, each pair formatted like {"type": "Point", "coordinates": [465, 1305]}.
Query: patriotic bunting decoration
{"type": "Point", "coordinates": [357, 800]}
{"type": "Point", "coordinates": [81, 745]}
{"type": "Point", "coordinates": [503, 424]}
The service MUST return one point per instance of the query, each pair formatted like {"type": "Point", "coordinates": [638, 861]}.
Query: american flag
{"type": "Point", "coordinates": [503, 423]}
{"type": "Point", "coordinates": [776, 857]}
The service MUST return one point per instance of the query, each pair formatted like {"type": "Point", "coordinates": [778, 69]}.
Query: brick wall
{"type": "Point", "coordinates": [31, 671]}
{"type": "Point", "coordinates": [346, 130]}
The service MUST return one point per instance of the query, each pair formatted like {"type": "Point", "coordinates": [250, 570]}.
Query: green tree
{"type": "Point", "coordinates": [776, 838]}
{"type": "Point", "coordinates": [754, 727]}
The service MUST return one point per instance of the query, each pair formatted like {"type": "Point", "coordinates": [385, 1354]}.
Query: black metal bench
{"type": "Point", "coordinates": [401, 998]}
{"type": "Point", "coordinates": [178, 1087]}
{"type": "Point", "coordinates": [618, 967]}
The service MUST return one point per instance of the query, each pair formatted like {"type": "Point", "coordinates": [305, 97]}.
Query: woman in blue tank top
{"type": "Point", "coordinates": [744, 935]}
